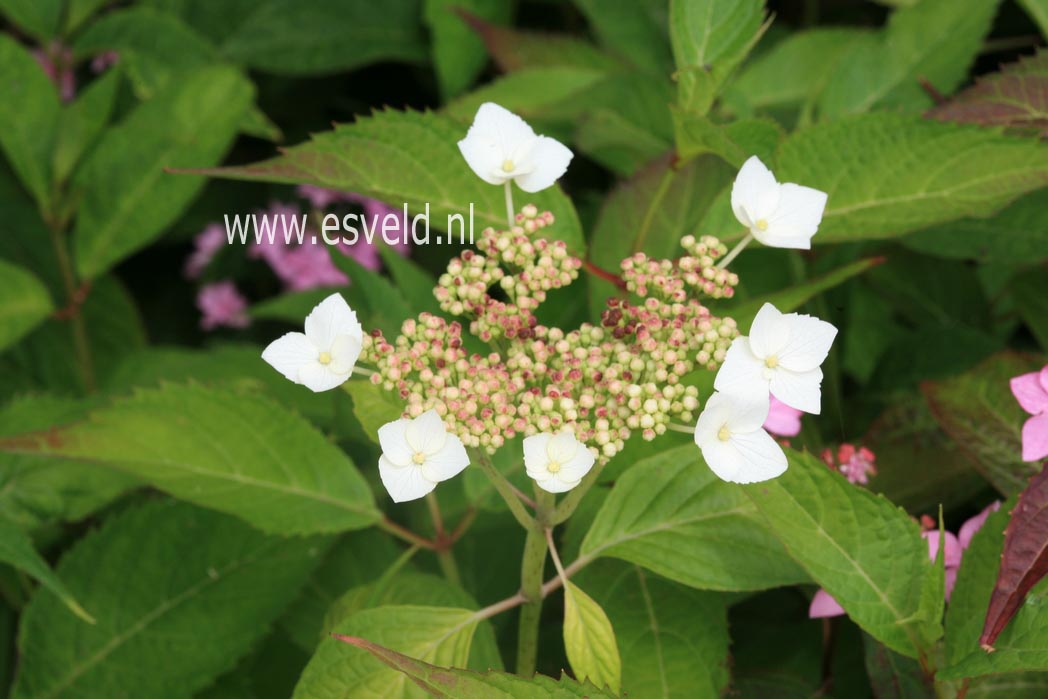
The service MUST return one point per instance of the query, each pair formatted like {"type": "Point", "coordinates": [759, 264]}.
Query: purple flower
{"type": "Point", "coordinates": [104, 61]}
{"type": "Point", "coordinates": [1031, 390]}
{"type": "Point", "coordinates": [57, 62]}
{"type": "Point", "coordinates": [222, 305]}
{"type": "Point", "coordinates": [208, 242]}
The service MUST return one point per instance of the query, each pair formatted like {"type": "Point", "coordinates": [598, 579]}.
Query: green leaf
{"type": "Point", "coordinates": [128, 199]}
{"type": "Point", "coordinates": [842, 535]}
{"type": "Point", "coordinates": [1023, 645]}
{"type": "Point", "coordinates": [934, 41]}
{"type": "Point", "coordinates": [24, 303]}
{"type": "Point", "coordinates": [1018, 233]}
{"type": "Point", "coordinates": [633, 29]}
{"type": "Point", "coordinates": [452, 683]}
{"type": "Point", "coordinates": [386, 308]}
{"type": "Point", "coordinates": [153, 46]}
{"type": "Point", "coordinates": [1030, 291]}
{"type": "Point", "coordinates": [373, 406]}
{"type": "Point", "coordinates": [249, 457]}
{"type": "Point", "coordinates": [325, 36]}
{"type": "Point", "coordinates": [793, 71]}
{"type": "Point", "coordinates": [650, 213]}
{"type": "Point", "coordinates": [412, 157]}
{"type": "Point", "coordinates": [407, 586]}
{"type": "Point", "coordinates": [17, 550]}
{"type": "Point", "coordinates": [114, 330]}
{"type": "Point", "coordinates": [28, 117]}
{"type": "Point", "coordinates": [589, 640]}
{"type": "Point", "coordinates": [82, 122]}
{"type": "Point", "coordinates": [1038, 10]}
{"type": "Point", "coordinates": [40, 18]}
{"type": "Point", "coordinates": [977, 409]}
{"type": "Point", "coordinates": [710, 38]}
{"type": "Point", "coordinates": [670, 514]}
{"type": "Point", "coordinates": [38, 490]}
{"type": "Point", "coordinates": [515, 49]}
{"type": "Point", "coordinates": [439, 635]}
{"type": "Point", "coordinates": [895, 676]}
{"type": "Point", "coordinates": [79, 11]}
{"type": "Point", "coordinates": [179, 594]}
{"type": "Point", "coordinates": [413, 282]}
{"type": "Point", "coordinates": [548, 94]}
{"type": "Point", "coordinates": [891, 174]}
{"type": "Point", "coordinates": [458, 53]}
{"type": "Point", "coordinates": [673, 640]}
{"type": "Point", "coordinates": [734, 142]}
{"type": "Point", "coordinates": [792, 298]}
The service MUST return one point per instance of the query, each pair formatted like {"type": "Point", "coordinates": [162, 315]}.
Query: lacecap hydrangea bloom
{"type": "Point", "coordinates": [417, 454]}
{"type": "Point", "coordinates": [779, 215]}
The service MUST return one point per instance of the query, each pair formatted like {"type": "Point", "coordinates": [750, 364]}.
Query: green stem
{"type": "Point", "coordinates": [389, 526]}
{"type": "Point", "coordinates": [531, 570]}
{"type": "Point", "coordinates": [80, 341]}
{"type": "Point", "coordinates": [445, 557]}
{"type": "Point", "coordinates": [571, 501]}
{"type": "Point", "coordinates": [509, 204]}
{"type": "Point", "coordinates": [504, 488]}
{"type": "Point", "coordinates": [735, 251]}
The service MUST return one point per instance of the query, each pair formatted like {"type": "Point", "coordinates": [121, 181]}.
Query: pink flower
{"type": "Point", "coordinates": [783, 420]}
{"type": "Point", "coordinates": [307, 266]}
{"type": "Point", "coordinates": [57, 62]}
{"type": "Point", "coordinates": [320, 197]}
{"type": "Point", "coordinates": [857, 465]}
{"type": "Point", "coordinates": [968, 529]}
{"type": "Point", "coordinates": [222, 305]}
{"type": "Point", "coordinates": [208, 242]}
{"type": "Point", "coordinates": [1031, 390]}
{"type": "Point", "coordinates": [823, 605]}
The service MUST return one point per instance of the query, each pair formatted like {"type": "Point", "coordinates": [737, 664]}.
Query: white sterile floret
{"type": "Point", "coordinates": [782, 355]}
{"type": "Point", "coordinates": [733, 442]}
{"type": "Point", "coordinates": [323, 357]}
{"type": "Point", "coordinates": [500, 146]}
{"type": "Point", "coordinates": [783, 215]}
{"type": "Point", "coordinates": [417, 454]}
{"type": "Point", "coordinates": [557, 462]}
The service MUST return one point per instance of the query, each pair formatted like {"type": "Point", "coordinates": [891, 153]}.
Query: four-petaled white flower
{"type": "Point", "coordinates": [733, 442]}
{"type": "Point", "coordinates": [323, 357]}
{"type": "Point", "coordinates": [500, 146]}
{"type": "Point", "coordinates": [417, 454]}
{"type": "Point", "coordinates": [783, 215]}
{"type": "Point", "coordinates": [782, 355]}
{"type": "Point", "coordinates": [556, 462]}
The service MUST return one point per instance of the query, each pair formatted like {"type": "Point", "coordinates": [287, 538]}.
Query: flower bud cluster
{"type": "Point", "coordinates": [605, 381]}
{"type": "Point", "coordinates": [674, 279]}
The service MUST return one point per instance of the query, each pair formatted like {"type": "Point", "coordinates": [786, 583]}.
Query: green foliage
{"type": "Point", "coordinates": [589, 640]}
{"type": "Point", "coordinates": [28, 118]}
{"type": "Point", "coordinates": [24, 303]}
{"type": "Point", "coordinates": [462, 684]}
{"type": "Point", "coordinates": [39, 18]}
{"type": "Point", "coordinates": [248, 457]}
{"type": "Point", "coordinates": [439, 635]}
{"type": "Point", "coordinates": [979, 411]}
{"type": "Point", "coordinates": [673, 640]}
{"type": "Point", "coordinates": [825, 522]}
{"type": "Point", "coordinates": [128, 199]}
{"type": "Point", "coordinates": [153, 618]}
{"type": "Point", "coordinates": [933, 40]}
{"type": "Point", "coordinates": [710, 38]}
{"type": "Point", "coordinates": [458, 53]}
{"type": "Point", "coordinates": [670, 514]}
{"type": "Point", "coordinates": [17, 550]}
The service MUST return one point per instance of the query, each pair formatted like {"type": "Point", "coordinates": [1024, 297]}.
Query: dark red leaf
{"type": "Point", "coordinates": [1016, 97]}
{"type": "Point", "coordinates": [1024, 560]}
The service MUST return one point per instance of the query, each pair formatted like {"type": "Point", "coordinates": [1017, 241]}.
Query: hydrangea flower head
{"type": "Point", "coordinates": [783, 420]}
{"type": "Point", "coordinates": [782, 215]}
{"type": "Point", "coordinates": [323, 357]}
{"type": "Point", "coordinates": [782, 354]}
{"type": "Point", "coordinates": [557, 462]}
{"type": "Point", "coordinates": [417, 454]}
{"type": "Point", "coordinates": [1031, 390]}
{"type": "Point", "coordinates": [733, 442]}
{"type": "Point", "coordinates": [222, 305]}
{"type": "Point", "coordinates": [500, 147]}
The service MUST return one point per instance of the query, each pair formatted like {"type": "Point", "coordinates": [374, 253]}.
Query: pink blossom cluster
{"type": "Point", "coordinates": [1031, 391]}
{"type": "Point", "coordinates": [856, 463]}
{"type": "Point", "coordinates": [604, 381]}
{"type": "Point", "coordinates": [953, 547]}
{"type": "Point", "coordinates": [673, 279]}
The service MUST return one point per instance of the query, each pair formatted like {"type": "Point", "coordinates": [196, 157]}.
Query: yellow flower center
{"type": "Point", "coordinates": [762, 225]}
{"type": "Point", "coordinates": [724, 434]}
{"type": "Point", "coordinates": [324, 358]}
{"type": "Point", "coordinates": [419, 458]}
{"type": "Point", "coordinates": [553, 466]}
{"type": "Point", "coordinates": [507, 166]}
{"type": "Point", "coordinates": [771, 362]}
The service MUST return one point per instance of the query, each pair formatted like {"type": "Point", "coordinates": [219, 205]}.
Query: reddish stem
{"type": "Point", "coordinates": [603, 274]}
